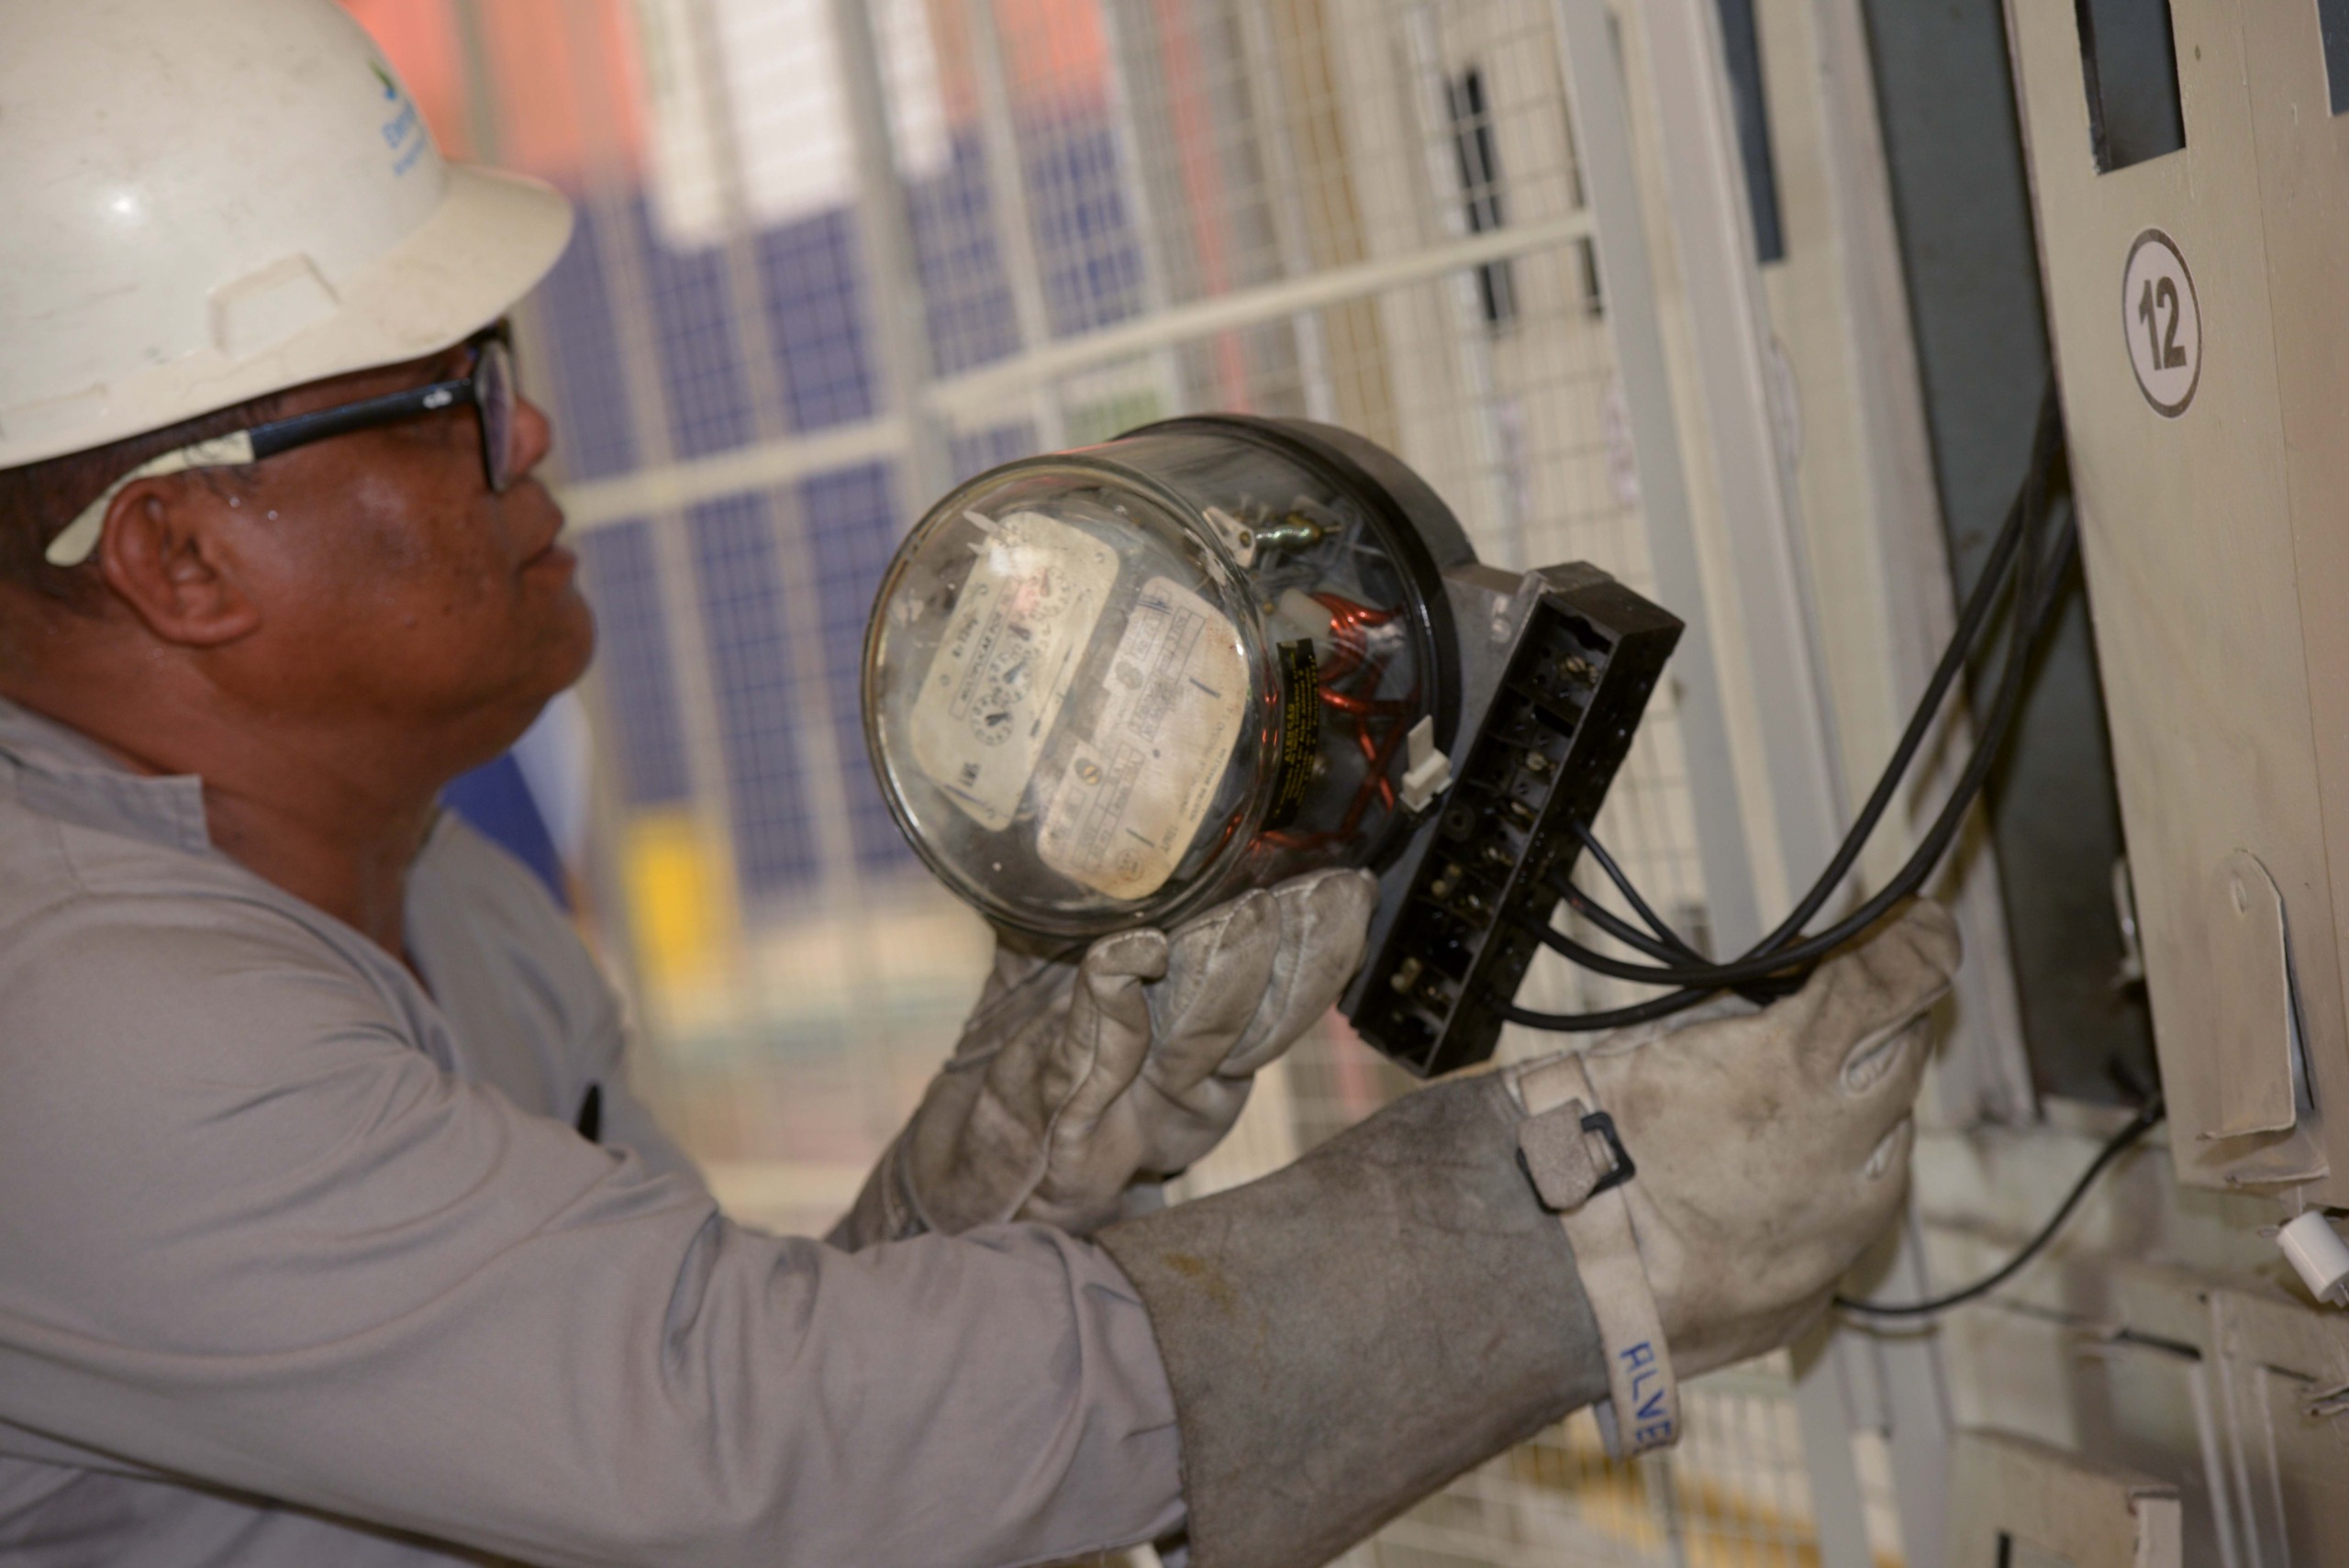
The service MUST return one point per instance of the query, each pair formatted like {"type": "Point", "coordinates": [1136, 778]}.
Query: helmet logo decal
{"type": "Point", "coordinates": [404, 132]}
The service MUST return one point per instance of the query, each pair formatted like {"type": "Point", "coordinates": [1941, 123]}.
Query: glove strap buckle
{"type": "Point", "coordinates": [1621, 1170]}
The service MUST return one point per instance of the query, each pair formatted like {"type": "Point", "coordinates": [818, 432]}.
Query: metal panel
{"type": "Point", "coordinates": [1602, 125]}
{"type": "Point", "coordinates": [2302, 159]}
{"type": "Point", "coordinates": [1943, 86]}
{"type": "Point", "coordinates": [2011, 1493]}
{"type": "Point", "coordinates": [1847, 483]}
{"type": "Point", "coordinates": [2284, 1370]}
{"type": "Point", "coordinates": [2201, 359]}
{"type": "Point", "coordinates": [1711, 226]}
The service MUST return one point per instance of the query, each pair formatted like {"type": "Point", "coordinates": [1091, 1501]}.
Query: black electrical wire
{"type": "Point", "coordinates": [1666, 946]}
{"type": "Point", "coordinates": [1639, 905]}
{"type": "Point", "coordinates": [1622, 931]}
{"type": "Point", "coordinates": [2038, 574]}
{"type": "Point", "coordinates": [2119, 1144]}
{"type": "Point", "coordinates": [2025, 514]}
{"type": "Point", "coordinates": [1645, 1012]}
{"type": "Point", "coordinates": [2031, 617]}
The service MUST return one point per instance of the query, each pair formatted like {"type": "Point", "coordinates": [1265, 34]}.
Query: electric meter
{"type": "Point", "coordinates": [1105, 688]}
{"type": "Point", "coordinates": [1112, 687]}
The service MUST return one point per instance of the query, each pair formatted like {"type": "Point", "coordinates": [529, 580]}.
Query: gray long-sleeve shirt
{"type": "Point", "coordinates": [301, 1263]}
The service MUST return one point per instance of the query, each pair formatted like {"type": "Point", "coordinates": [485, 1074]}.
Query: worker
{"type": "Point", "coordinates": [331, 1232]}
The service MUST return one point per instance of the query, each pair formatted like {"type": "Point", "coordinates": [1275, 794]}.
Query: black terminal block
{"type": "Point", "coordinates": [1573, 658]}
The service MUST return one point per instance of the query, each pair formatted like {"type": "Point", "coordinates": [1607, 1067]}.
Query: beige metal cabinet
{"type": "Point", "coordinates": [2204, 358]}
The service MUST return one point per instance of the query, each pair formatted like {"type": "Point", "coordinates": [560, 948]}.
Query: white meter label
{"type": "Point", "coordinates": [2163, 322]}
{"type": "Point", "coordinates": [1002, 672]}
{"type": "Point", "coordinates": [1128, 803]}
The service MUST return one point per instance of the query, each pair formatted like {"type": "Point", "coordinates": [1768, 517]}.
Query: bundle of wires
{"type": "Point", "coordinates": [2026, 564]}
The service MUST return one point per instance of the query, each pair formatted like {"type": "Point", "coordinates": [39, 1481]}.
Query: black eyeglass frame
{"type": "Point", "coordinates": [489, 387]}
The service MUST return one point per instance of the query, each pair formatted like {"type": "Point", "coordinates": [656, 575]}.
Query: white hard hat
{"type": "Point", "coordinates": [202, 201]}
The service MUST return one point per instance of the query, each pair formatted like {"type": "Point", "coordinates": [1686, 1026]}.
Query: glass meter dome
{"type": "Point", "coordinates": [1111, 687]}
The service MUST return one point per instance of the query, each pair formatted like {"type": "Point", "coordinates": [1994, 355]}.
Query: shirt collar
{"type": "Point", "coordinates": [62, 772]}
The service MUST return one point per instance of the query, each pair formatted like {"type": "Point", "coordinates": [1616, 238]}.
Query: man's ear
{"type": "Point", "coordinates": [166, 554]}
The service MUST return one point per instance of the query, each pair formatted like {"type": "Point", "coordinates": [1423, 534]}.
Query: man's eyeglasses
{"type": "Point", "coordinates": [489, 387]}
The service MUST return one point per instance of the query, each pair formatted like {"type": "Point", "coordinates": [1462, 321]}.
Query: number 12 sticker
{"type": "Point", "coordinates": [2162, 323]}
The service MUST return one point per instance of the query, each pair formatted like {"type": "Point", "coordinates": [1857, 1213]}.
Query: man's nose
{"type": "Point", "coordinates": [533, 437]}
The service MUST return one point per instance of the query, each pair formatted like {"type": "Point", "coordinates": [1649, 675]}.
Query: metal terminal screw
{"type": "Point", "coordinates": [1536, 763]}
{"type": "Point", "coordinates": [1497, 856]}
{"type": "Point", "coordinates": [1520, 811]}
{"type": "Point", "coordinates": [1406, 978]}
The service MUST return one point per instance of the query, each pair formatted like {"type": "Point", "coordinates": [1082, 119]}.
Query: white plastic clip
{"type": "Point", "coordinates": [1426, 771]}
{"type": "Point", "coordinates": [1237, 536]}
{"type": "Point", "coordinates": [2318, 1254]}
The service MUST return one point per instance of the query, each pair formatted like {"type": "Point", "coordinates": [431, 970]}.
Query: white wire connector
{"type": "Point", "coordinates": [2318, 1255]}
{"type": "Point", "coordinates": [1427, 773]}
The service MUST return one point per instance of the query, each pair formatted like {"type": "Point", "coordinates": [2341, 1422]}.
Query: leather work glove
{"type": "Point", "coordinates": [1345, 1335]}
{"type": "Point", "coordinates": [1076, 1078]}
{"type": "Point", "coordinates": [1772, 1146]}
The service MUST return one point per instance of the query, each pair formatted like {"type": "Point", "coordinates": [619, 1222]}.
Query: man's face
{"type": "Point", "coordinates": [394, 583]}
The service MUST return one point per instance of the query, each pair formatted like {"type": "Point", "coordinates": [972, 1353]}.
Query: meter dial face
{"type": "Point", "coordinates": [1028, 593]}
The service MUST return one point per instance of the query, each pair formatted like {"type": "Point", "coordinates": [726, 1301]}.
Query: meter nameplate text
{"type": "Point", "coordinates": [1300, 743]}
{"type": "Point", "coordinates": [1129, 801]}
{"type": "Point", "coordinates": [1003, 669]}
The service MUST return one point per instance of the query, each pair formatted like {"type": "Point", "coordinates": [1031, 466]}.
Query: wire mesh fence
{"type": "Point", "coordinates": [832, 256]}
